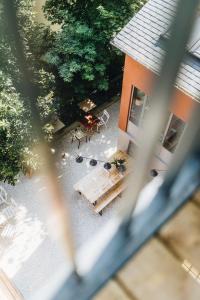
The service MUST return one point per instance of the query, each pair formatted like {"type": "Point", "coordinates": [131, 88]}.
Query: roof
{"type": "Point", "coordinates": [140, 39]}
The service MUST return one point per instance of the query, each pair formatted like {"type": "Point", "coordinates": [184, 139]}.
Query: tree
{"type": "Point", "coordinates": [16, 138]}
{"type": "Point", "coordinates": [14, 131]}
{"type": "Point", "coordinates": [81, 53]}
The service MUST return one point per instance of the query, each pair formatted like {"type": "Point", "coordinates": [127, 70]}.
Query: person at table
{"type": "Point", "coordinates": [89, 119]}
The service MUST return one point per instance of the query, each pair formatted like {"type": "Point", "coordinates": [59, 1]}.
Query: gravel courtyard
{"type": "Point", "coordinates": [30, 253]}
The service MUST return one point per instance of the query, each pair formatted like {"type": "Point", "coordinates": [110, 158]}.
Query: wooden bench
{"type": "Point", "coordinates": [108, 198]}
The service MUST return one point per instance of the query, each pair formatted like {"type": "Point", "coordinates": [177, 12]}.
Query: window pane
{"type": "Point", "coordinates": [174, 133]}
{"type": "Point", "coordinates": [138, 99]}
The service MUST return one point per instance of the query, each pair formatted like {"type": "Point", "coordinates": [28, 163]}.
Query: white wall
{"type": "Point", "coordinates": [123, 140]}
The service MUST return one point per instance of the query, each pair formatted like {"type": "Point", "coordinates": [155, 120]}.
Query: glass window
{"type": "Point", "coordinates": [163, 133]}
{"type": "Point", "coordinates": [138, 101]}
{"type": "Point", "coordinates": [173, 134]}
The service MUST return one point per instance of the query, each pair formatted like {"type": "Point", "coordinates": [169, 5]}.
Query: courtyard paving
{"type": "Point", "coordinates": [31, 253]}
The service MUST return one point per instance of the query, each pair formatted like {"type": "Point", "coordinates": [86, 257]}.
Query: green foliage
{"type": "Point", "coordinates": [81, 53]}
{"type": "Point", "coordinates": [14, 131]}
{"type": "Point", "coordinates": [16, 139]}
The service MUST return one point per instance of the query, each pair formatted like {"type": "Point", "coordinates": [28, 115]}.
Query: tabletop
{"type": "Point", "coordinates": [89, 121]}
{"type": "Point", "coordinates": [99, 181]}
{"type": "Point", "coordinates": [87, 105]}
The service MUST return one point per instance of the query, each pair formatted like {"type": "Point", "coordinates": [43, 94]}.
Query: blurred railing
{"type": "Point", "coordinates": [134, 229]}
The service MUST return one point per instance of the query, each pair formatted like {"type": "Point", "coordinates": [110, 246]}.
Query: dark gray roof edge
{"type": "Point", "coordinates": [183, 82]}
{"type": "Point", "coordinates": [179, 87]}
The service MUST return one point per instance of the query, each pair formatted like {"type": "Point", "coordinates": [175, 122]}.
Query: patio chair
{"type": "Point", "coordinates": [103, 119]}
{"type": "Point", "coordinates": [78, 134]}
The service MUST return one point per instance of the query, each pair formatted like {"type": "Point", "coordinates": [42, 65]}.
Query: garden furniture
{"type": "Point", "coordinates": [90, 121]}
{"type": "Point", "coordinates": [79, 134]}
{"type": "Point", "coordinates": [87, 105]}
{"type": "Point", "coordinates": [100, 187]}
{"type": "Point", "coordinates": [103, 119]}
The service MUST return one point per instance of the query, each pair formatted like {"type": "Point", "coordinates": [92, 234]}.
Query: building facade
{"type": "Point", "coordinates": [142, 41]}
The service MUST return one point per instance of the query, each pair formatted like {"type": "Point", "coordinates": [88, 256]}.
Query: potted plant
{"type": "Point", "coordinates": [119, 164]}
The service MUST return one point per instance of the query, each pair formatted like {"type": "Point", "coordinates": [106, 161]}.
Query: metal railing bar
{"type": "Point", "coordinates": [31, 93]}
{"type": "Point", "coordinates": [122, 247]}
{"type": "Point", "coordinates": [161, 98]}
{"type": "Point", "coordinates": [169, 197]}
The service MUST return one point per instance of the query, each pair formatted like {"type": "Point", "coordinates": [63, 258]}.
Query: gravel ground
{"type": "Point", "coordinates": [31, 252]}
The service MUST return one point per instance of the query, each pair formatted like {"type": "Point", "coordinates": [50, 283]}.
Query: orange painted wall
{"type": "Point", "coordinates": [182, 105]}
{"type": "Point", "coordinates": [137, 75]}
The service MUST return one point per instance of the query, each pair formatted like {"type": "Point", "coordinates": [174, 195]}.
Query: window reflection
{"type": "Point", "coordinates": [140, 106]}
{"type": "Point", "coordinates": [173, 134]}
{"type": "Point", "coordinates": [138, 102]}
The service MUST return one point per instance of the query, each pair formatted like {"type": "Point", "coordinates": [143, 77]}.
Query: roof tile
{"type": "Point", "coordinates": [139, 39]}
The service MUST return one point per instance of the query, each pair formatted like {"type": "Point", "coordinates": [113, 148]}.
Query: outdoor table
{"type": "Point", "coordinates": [89, 121]}
{"type": "Point", "coordinates": [87, 105]}
{"type": "Point", "coordinates": [99, 182]}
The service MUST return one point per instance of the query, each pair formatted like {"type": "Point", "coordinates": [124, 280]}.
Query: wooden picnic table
{"type": "Point", "coordinates": [101, 186]}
